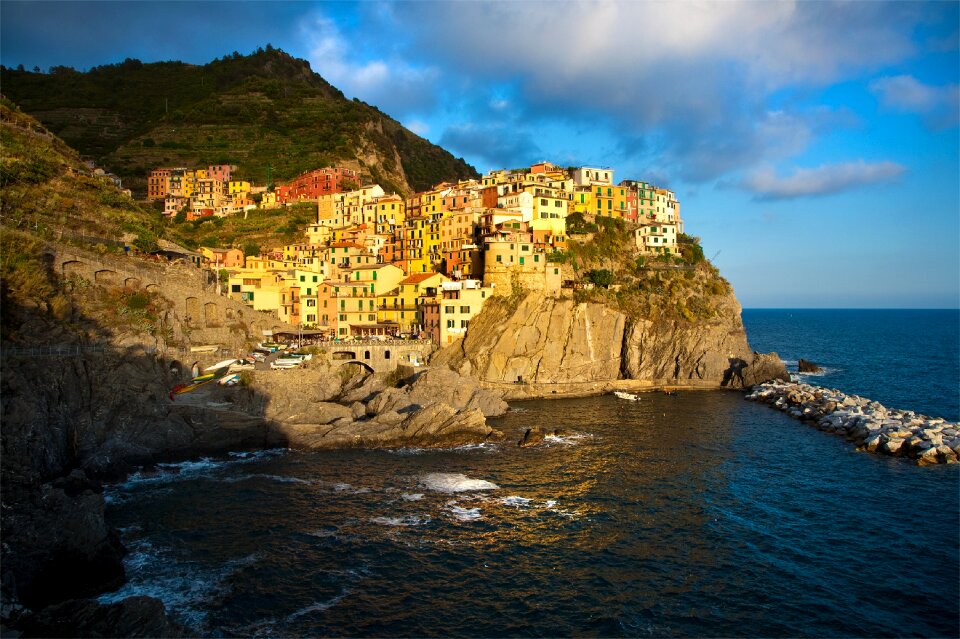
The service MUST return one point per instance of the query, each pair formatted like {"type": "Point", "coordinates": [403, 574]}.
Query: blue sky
{"type": "Point", "coordinates": [813, 145]}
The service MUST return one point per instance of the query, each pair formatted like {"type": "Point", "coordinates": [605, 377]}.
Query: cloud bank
{"type": "Point", "coordinates": [822, 180]}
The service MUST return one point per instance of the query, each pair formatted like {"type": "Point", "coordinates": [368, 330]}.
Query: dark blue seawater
{"type": "Point", "coordinates": [699, 515]}
{"type": "Point", "coordinates": [906, 359]}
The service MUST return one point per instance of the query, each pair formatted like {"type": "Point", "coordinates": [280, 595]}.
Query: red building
{"type": "Point", "coordinates": [315, 183]}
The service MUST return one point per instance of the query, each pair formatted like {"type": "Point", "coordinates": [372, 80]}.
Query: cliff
{"type": "Point", "coordinates": [558, 346]}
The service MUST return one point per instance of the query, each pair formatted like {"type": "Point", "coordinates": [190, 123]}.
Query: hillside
{"type": "Point", "coordinates": [263, 110]}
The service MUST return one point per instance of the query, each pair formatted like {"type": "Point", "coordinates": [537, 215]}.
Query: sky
{"type": "Point", "coordinates": [813, 145]}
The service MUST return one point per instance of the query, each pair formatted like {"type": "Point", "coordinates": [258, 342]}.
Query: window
{"type": "Point", "coordinates": [342, 331]}
{"type": "Point", "coordinates": [311, 318]}
{"type": "Point", "coordinates": [465, 310]}
{"type": "Point", "coordinates": [311, 302]}
{"type": "Point", "coordinates": [499, 258]}
{"type": "Point", "coordinates": [234, 288]}
{"type": "Point", "coordinates": [463, 323]}
{"type": "Point", "coordinates": [303, 278]}
{"type": "Point", "coordinates": [521, 260]}
{"type": "Point", "coordinates": [386, 354]}
{"type": "Point", "coordinates": [371, 318]}
{"type": "Point", "coordinates": [448, 309]}
{"type": "Point", "coordinates": [536, 258]}
{"type": "Point", "coordinates": [450, 323]}
{"type": "Point", "coordinates": [524, 247]}
{"type": "Point", "coordinates": [343, 305]}
{"type": "Point", "coordinates": [543, 202]}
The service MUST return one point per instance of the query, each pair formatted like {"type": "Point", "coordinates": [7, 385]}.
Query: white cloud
{"type": "Point", "coordinates": [417, 126]}
{"type": "Point", "coordinates": [394, 86]}
{"type": "Point", "coordinates": [694, 76]}
{"type": "Point", "coordinates": [940, 104]}
{"type": "Point", "coordinates": [822, 180]}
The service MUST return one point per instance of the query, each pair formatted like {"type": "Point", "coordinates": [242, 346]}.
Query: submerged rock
{"type": "Point", "coordinates": [531, 437]}
{"type": "Point", "coordinates": [806, 366]}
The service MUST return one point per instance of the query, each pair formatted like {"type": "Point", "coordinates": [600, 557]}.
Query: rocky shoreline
{"type": "Point", "coordinates": [870, 425]}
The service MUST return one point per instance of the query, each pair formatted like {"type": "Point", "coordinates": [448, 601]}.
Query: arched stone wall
{"type": "Point", "coordinates": [211, 315]}
{"type": "Point", "coordinates": [106, 277]}
{"type": "Point", "coordinates": [194, 311]}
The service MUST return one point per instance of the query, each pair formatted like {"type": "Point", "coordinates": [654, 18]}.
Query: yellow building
{"type": "Point", "coordinates": [447, 319]}
{"type": "Point", "coordinates": [583, 201]}
{"type": "Point", "coordinates": [238, 186]}
{"type": "Point", "coordinates": [401, 305]}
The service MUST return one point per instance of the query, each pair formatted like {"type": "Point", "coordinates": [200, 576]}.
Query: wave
{"type": "Point", "coordinates": [454, 483]}
{"type": "Point", "coordinates": [186, 590]}
{"type": "Point", "coordinates": [284, 479]}
{"type": "Point", "coordinates": [516, 501]}
{"type": "Point", "coordinates": [406, 520]}
{"type": "Point", "coordinates": [350, 489]}
{"type": "Point", "coordinates": [193, 468]}
{"type": "Point", "coordinates": [463, 514]}
{"type": "Point", "coordinates": [318, 606]}
{"type": "Point", "coordinates": [571, 439]}
{"type": "Point", "coordinates": [457, 449]}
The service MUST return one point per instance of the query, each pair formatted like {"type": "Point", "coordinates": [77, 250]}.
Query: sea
{"type": "Point", "coordinates": [699, 514]}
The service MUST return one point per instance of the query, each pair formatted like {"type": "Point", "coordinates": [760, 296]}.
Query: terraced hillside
{"type": "Point", "coordinates": [265, 112]}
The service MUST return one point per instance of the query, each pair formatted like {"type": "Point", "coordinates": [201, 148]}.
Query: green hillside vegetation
{"type": "Point", "coordinates": [682, 287]}
{"type": "Point", "coordinates": [48, 192]}
{"type": "Point", "coordinates": [263, 110]}
{"type": "Point", "coordinates": [261, 228]}
{"type": "Point", "coordinates": [48, 196]}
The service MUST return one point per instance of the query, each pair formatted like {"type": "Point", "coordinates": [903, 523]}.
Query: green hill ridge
{"type": "Point", "coordinates": [266, 109]}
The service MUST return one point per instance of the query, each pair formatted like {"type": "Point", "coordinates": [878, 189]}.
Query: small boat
{"type": "Point", "coordinates": [203, 378]}
{"type": "Point", "coordinates": [206, 348]}
{"type": "Point", "coordinates": [628, 396]}
{"type": "Point", "coordinates": [229, 380]}
{"type": "Point", "coordinates": [225, 363]}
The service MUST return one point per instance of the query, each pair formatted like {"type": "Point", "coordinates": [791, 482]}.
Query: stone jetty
{"type": "Point", "coordinates": [872, 426]}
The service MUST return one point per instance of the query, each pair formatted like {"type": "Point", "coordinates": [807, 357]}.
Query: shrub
{"type": "Point", "coordinates": [600, 277]}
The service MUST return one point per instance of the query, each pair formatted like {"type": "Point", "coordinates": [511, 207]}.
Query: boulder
{"type": "Point", "coordinates": [531, 437]}
{"type": "Point", "coordinates": [327, 412]}
{"type": "Point", "coordinates": [806, 366]}
{"type": "Point", "coordinates": [132, 617]}
{"type": "Point", "coordinates": [372, 385]}
{"type": "Point", "coordinates": [439, 385]}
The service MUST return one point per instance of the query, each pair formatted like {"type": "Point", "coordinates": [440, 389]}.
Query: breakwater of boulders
{"type": "Point", "coordinates": [870, 425]}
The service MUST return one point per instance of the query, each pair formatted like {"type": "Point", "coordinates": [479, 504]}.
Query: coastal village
{"type": "Point", "coordinates": [378, 265]}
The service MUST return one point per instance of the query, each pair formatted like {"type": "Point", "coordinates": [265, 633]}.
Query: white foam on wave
{"type": "Point", "coordinates": [454, 483]}
{"type": "Point", "coordinates": [184, 589]}
{"type": "Point", "coordinates": [823, 372]}
{"type": "Point", "coordinates": [516, 501]}
{"type": "Point", "coordinates": [193, 468]}
{"type": "Point", "coordinates": [283, 479]}
{"type": "Point", "coordinates": [318, 606]}
{"type": "Point", "coordinates": [463, 514]}
{"type": "Point", "coordinates": [412, 496]}
{"type": "Point", "coordinates": [571, 439]}
{"type": "Point", "coordinates": [350, 489]}
{"type": "Point", "coordinates": [406, 520]}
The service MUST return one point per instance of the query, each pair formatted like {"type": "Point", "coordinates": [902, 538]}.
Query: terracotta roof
{"type": "Point", "coordinates": [416, 278]}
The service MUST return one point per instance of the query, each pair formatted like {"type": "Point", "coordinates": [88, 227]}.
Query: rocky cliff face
{"type": "Point", "coordinates": [557, 346]}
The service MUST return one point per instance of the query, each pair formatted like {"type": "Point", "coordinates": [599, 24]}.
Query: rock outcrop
{"type": "Point", "coordinates": [560, 346]}
{"type": "Point", "coordinates": [806, 366]}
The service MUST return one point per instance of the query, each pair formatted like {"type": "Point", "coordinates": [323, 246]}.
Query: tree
{"type": "Point", "coordinates": [251, 249]}
{"type": "Point", "coordinates": [601, 277]}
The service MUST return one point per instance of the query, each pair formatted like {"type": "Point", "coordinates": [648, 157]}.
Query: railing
{"type": "Point", "coordinates": [64, 350]}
